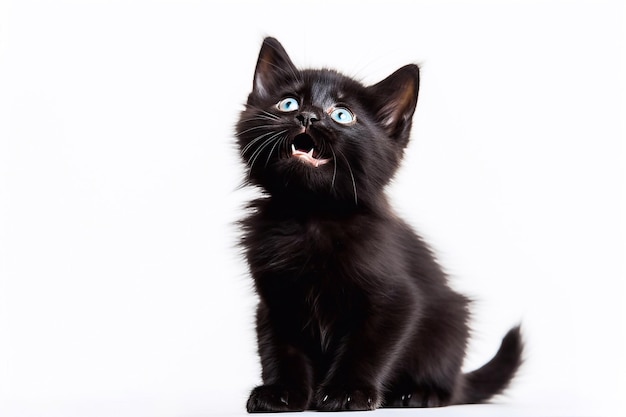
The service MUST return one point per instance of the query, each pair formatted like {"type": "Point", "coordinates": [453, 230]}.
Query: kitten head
{"type": "Point", "coordinates": [317, 134]}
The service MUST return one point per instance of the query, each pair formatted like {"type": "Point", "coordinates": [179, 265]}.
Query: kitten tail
{"type": "Point", "coordinates": [493, 377]}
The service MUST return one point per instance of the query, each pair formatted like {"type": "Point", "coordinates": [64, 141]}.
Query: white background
{"type": "Point", "coordinates": [121, 289]}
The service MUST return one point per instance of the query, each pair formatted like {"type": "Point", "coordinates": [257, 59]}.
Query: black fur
{"type": "Point", "coordinates": [354, 312]}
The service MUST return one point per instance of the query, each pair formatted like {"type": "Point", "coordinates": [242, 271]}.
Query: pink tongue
{"type": "Point", "coordinates": [307, 157]}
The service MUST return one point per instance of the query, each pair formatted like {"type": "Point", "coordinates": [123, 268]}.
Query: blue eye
{"type": "Point", "coordinates": [288, 104]}
{"type": "Point", "coordinates": [342, 115]}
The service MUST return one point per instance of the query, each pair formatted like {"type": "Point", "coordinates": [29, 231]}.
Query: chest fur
{"type": "Point", "coordinates": [297, 248]}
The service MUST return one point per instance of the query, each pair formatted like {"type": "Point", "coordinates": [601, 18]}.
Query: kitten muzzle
{"type": "Point", "coordinates": [303, 148]}
{"type": "Point", "coordinates": [307, 157]}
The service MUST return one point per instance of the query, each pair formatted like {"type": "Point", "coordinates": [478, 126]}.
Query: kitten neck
{"type": "Point", "coordinates": [310, 204]}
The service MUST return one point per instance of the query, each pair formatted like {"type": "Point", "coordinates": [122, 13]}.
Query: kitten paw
{"type": "Point", "coordinates": [337, 399]}
{"type": "Point", "coordinates": [416, 400]}
{"type": "Point", "coordinates": [275, 398]}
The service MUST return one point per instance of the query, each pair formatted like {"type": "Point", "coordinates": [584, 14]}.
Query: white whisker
{"type": "Point", "coordinates": [271, 115]}
{"type": "Point", "coordinates": [332, 184]}
{"type": "Point", "coordinates": [255, 155]}
{"type": "Point", "coordinates": [269, 156]}
{"type": "Point", "coordinates": [356, 200]}
{"type": "Point", "coordinates": [258, 117]}
{"type": "Point", "coordinates": [265, 144]}
{"type": "Point", "coordinates": [252, 142]}
{"type": "Point", "coordinates": [254, 128]}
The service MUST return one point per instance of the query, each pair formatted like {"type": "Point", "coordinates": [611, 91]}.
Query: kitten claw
{"type": "Point", "coordinates": [347, 399]}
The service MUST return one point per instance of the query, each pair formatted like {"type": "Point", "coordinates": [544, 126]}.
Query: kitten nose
{"type": "Point", "coordinates": [306, 118]}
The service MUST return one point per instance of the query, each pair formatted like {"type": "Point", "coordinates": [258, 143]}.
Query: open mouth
{"type": "Point", "coordinates": [303, 148]}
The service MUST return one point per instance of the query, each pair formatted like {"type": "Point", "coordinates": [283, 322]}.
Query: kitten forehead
{"type": "Point", "coordinates": [327, 84]}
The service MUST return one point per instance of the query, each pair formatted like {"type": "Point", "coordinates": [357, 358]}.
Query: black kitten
{"type": "Point", "coordinates": [354, 312]}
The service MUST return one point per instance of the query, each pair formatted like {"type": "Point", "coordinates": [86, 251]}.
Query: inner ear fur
{"type": "Point", "coordinates": [273, 65]}
{"type": "Point", "coordinates": [397, 97]}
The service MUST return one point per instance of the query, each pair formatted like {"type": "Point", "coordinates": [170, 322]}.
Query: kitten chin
{"type": "Point", "coordinates": [354, 311]}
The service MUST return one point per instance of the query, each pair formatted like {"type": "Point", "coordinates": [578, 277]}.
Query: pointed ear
{"type": "Point", "coordinates": [396, 98]}
{"type": "Point", "coordinates": [273, 65]}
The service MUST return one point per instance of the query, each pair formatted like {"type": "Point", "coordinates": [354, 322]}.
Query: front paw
{"type": "Point", "coordinates": [344, 398]}
{"type": "Point", "coordinates": [276, 398]}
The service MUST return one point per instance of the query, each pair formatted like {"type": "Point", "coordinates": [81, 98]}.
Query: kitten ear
{"type": "Point", "coordinates": [273, 66]}
{"type": "Point", "coordinates": [396, 96]}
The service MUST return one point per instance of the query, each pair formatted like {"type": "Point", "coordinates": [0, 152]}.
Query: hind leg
{"type": "Point", "coordinates": [408, 393]}
{"type": "Point", "coordinates": [430, 374]}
